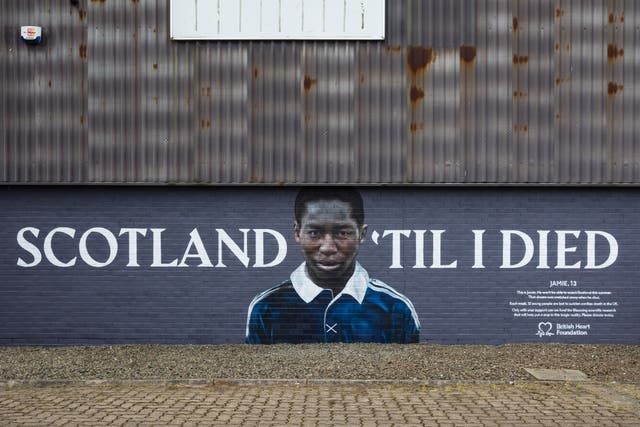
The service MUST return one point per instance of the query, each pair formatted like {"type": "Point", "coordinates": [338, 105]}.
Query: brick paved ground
{"type": "Point", "coordinates": [323, 404]}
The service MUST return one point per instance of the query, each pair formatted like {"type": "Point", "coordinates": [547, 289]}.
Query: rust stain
{"type": "Point", "coordinates": [155, 100]}
{"type": "Point", "coordinates": [557, 46]}
{"type": "Point", "coordinates": [82, 14]}
{"type": "Point", "coordinates": [557, 116]}
{"type": "Point", "coordinates": [416, 94]}
{"type": "Point", "coordinates": [418, 60]}
{"type": "Point", "coordinates": [206, 91]}
{"type": "Point", "coordinates": [254, 178]}
{"type": "Point", "coordinates": [394, 49]}
{"type": "Point", "coordinates": [416, 127]}
{"type": "Point", "coordinates": [82, 51]}
{"type": "Point", "coordinates": [613, 88]}
{"type": "Point", "coordinates": [134, 1]}
{"type": "Point", "coordinates": [255, 73]}
{"type": "Point", "coordinates": [521, 128]}
{"type": "Point", "coordinates": [613, 52]}
{"type": "Point", "coordinates": [307, 118]}
{"type": "Point", "coordinates": [419, 57]}
{"type": "Point", "coordinates": [205, 124]}
{"type": "Point", "coordinates": [98, 1]}
{"type": "Point", "coordinates": [81, 119]}
{"type": "Point", "coordinates": [309, 83]}
{"type": "Point", "coordinates": [468, 54]}
{"type": "Point", "coordinates": [559, 13]}
{"type": "Point", "coordinates": [520, 59]}
{"type": "Point", "coordinates": [515, 23]}
{"type": "Point", "coordinates": [613, 18]}
{"type": "Point", "coordinates": [362, 78]}
{"type": "Point", "coordinates": [520, 94]}
{"type": "Point", "coordinates": [155, 66]}
{"type": "Point", "coordinates": [49, 83]}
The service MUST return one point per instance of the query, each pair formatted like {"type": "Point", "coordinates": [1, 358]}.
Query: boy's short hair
{"type": "Point", "coordinates": [349, 195]}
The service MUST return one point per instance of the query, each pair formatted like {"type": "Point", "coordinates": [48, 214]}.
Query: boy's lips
{"type": "Point", "coordinates": [328, 266]}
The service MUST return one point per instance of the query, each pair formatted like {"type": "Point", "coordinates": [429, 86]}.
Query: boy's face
{"type": "Point", "coordinates": [329, 237]}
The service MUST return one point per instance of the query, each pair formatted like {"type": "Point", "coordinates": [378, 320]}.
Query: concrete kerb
{"type": "Point", "coordinates": [233, 381]}
{"type": "Point", "coordinates": [203, 382]}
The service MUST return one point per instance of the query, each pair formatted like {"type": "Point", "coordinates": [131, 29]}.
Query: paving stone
{"type": "Point", "coordinates": [532, 403]}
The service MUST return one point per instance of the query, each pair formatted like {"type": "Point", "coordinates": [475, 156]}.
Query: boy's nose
{"type": "Point", "coordinates": [328, 245]}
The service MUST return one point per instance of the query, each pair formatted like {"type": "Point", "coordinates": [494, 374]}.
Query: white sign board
{"type": "Point", "coordinates": [277, 19]}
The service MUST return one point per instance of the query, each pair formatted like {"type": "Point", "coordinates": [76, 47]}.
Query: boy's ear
{"type": "Point", "coordinates": [296, 232]}
{"type": "Point", "coordinates": [363, 232]}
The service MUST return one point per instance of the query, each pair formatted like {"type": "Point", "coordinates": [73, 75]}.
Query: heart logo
{"type": "Point", "coordinates": [544, 329]}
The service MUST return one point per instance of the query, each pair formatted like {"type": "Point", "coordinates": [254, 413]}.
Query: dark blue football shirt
{"type": "Point", "coordinates": [299, 311]}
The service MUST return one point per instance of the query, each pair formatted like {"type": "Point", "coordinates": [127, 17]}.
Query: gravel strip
{"type": "Point", "coordinates": [324, 361]}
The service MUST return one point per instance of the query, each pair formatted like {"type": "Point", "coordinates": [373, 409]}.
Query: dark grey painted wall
{"type": "Point", "coordinates": [81, 304]}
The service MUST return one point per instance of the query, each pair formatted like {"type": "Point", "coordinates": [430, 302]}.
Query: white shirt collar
{"type": "Point", "coordinates": [307, 290]}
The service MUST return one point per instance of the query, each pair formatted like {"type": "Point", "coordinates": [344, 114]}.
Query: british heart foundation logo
{"type": "Point", "coordinates": [544, 329]}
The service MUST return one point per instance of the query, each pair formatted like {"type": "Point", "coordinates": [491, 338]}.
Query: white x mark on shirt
{"type": "Point", "coordinates": [331, 328]}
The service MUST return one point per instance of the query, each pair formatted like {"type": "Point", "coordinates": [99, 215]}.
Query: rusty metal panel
{"type": "Point", "coordinates": [465, 92]}
{"type": "Point", "coordinates": [276, 85]}
{"type": "Point", "coordinates": [161, 111]}
{"type": "Point", "coordinates": [380, 99]}
{"type": "Point", "coordinates": [43, 91]}
{"type": "Point", "coordinates": [581, 58]}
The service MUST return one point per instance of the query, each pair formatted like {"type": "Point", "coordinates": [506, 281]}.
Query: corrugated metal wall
{"type": "Point", "coordinates": [461, 91]}
{"type": "Point", "coordinates": [43, 94]}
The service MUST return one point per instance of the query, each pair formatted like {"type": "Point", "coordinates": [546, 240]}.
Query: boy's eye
{"type": "Point", "coordinates": [337, 234]}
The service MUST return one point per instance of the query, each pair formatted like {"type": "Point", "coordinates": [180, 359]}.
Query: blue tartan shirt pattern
{"type": "Point", "coordinates": [298, 311]}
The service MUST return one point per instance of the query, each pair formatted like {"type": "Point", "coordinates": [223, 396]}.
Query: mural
{"type": "Point", "coordinates": [330, 297]}
{"type": "Point", "coordinates": [85, 265]}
